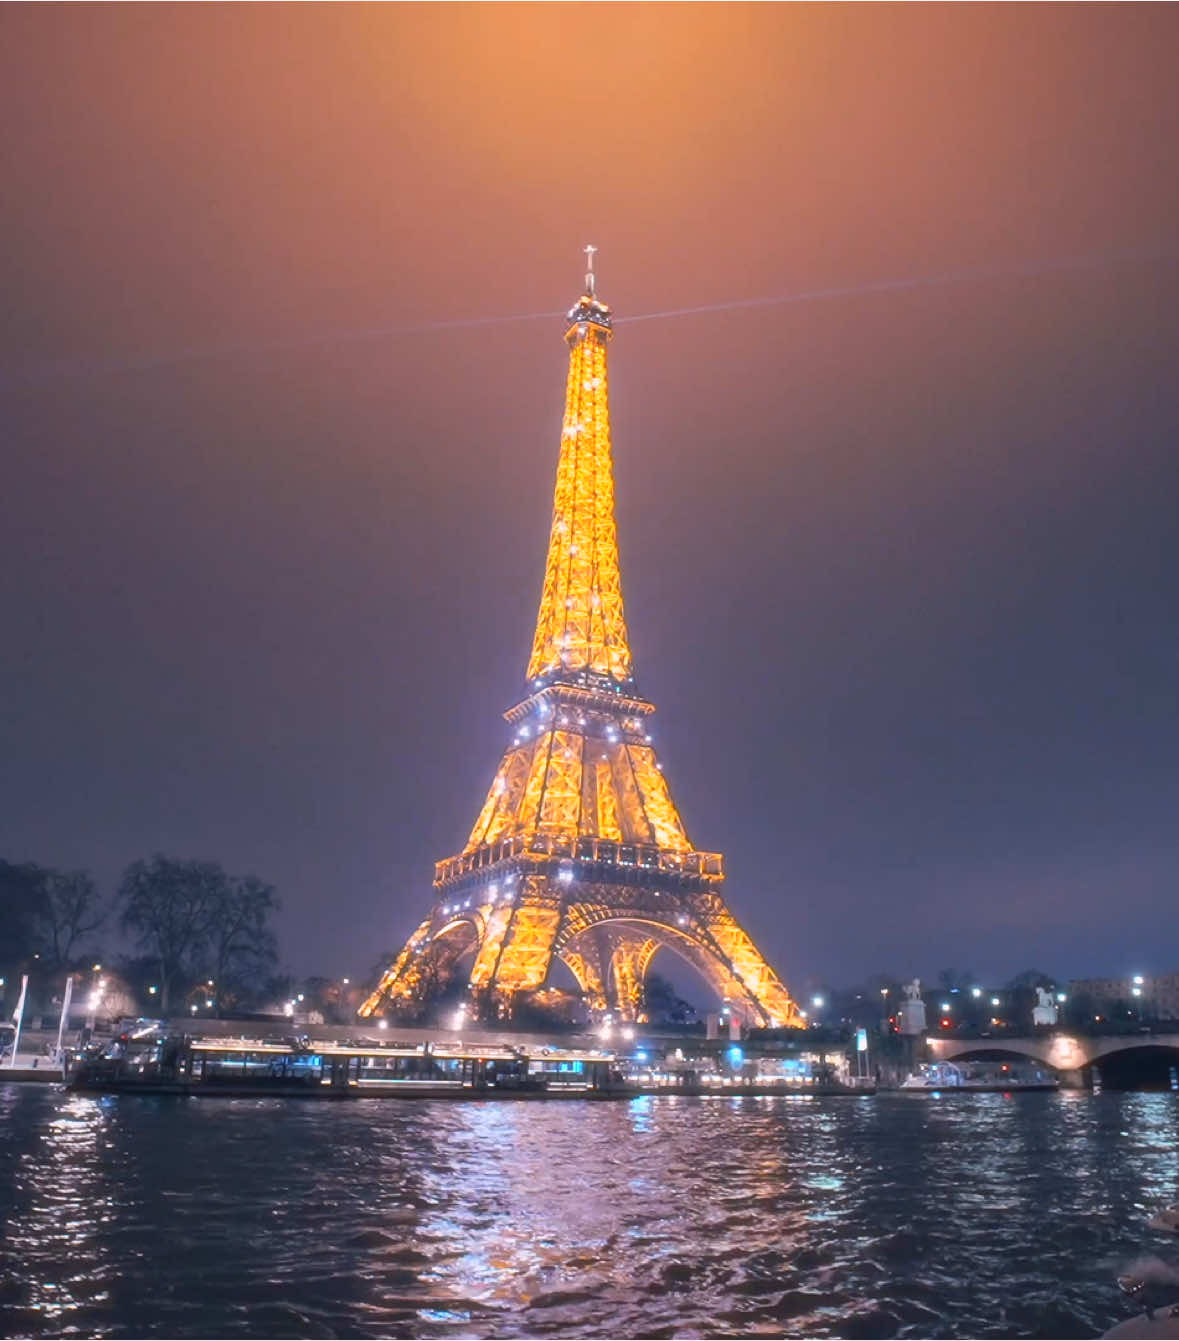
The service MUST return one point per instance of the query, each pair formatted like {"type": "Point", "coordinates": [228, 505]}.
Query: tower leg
{"type": "Point", "coordinates": [585, 965]}
{"type": "Point", "coordinates": [526, 949]}
{"type": "Point", "coordinates": [630, 957]}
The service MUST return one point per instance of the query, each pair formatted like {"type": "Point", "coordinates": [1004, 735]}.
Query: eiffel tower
{"type": "Point", "coordinates": [579, 853]}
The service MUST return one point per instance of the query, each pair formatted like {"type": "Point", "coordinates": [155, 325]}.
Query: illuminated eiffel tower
{"type": "Point", "coordinates": [579, 853]}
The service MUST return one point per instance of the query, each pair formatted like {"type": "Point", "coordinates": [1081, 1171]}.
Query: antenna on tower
{"type": "Point", "coordinates": [589, 273]}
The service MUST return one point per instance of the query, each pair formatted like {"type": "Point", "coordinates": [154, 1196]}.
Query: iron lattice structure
{"type": "Point", "coordinates": [579, 852]}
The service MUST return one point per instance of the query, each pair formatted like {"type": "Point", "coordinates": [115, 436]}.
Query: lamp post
{"type": "Point", "coordinates": [817, 1004]}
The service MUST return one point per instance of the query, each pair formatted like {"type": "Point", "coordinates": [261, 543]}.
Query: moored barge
{"type": "Point", "coordinates": [299, 1068]}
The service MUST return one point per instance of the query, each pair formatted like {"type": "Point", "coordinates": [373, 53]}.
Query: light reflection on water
{"type": "Point", "coordinates": [901, 1215]}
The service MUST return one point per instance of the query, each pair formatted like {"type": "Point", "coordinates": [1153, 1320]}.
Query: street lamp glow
{"type": "Point", "coordinates": [1062, 997]}
{"type": "Point", "coordinates": [817, 1002]}
{"type": "Point", "coordinates": [945, 1007]}
{"type": "Point", "coordinates": [1138, 979]}
{"type": "Point", "coordinates": [994, 1001]}
{"type": "Point", "coordinates": [976, 992]}
{"type": "Point", "coordinates": [1136, 991]}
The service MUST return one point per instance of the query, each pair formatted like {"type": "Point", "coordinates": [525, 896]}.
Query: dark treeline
{"type": "Point", "coordinates": [186, 925]}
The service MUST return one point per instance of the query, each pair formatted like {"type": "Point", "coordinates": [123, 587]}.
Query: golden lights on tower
{"type": "Point", "coordinates": [579, 852]}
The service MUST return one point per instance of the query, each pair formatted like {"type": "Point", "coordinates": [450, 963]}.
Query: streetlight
{"type": "Point", "coordinates": [994, 1001]}
{"type": "Point", "coordinates": [976, 992]}
{"type": "Point", "coordinates": [817, 1002]}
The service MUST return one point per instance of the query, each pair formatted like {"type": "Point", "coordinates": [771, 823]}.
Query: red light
{"type": "Point", "coordinates": [945, 1023]}
{"type": "Point", "coordinates": [1005, 1067]}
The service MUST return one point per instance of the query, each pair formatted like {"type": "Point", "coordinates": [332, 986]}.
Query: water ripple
{"type": "Point", "coordinates": [894, 1216]}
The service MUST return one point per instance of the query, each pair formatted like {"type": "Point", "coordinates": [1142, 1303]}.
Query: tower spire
{"type": "Point", "coordinates": [581, 629]}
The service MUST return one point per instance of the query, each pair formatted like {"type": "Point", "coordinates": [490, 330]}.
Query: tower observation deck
{"type": "Point", "coordinates": [579, 853]}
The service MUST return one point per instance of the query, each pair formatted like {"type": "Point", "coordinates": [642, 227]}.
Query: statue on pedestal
{"type": "Point", "coordinates": [912, 1010]}
{"type": "Point", "coordinates": [1044, 1011]}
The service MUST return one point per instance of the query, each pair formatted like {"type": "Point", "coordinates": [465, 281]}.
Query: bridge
{"type": "Point", "coordinates": [1059, 1049]}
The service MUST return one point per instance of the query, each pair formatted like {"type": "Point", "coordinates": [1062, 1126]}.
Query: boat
{"type": "Point", "coordinates": [977, 1078]}
{"type": "Point", "coordinates": [690, 1081]}
{"type": "Point", "coordinates": [150, 1062]}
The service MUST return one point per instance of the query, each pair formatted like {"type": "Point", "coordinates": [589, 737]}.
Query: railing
{"type": "Point", "coordinates": [639, 856]}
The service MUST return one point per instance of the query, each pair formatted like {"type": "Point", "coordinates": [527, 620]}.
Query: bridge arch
{"type": "Point", "coordinates": [1153, 1053]}
{"type": "Point", "coordinates": [1142, 1063]}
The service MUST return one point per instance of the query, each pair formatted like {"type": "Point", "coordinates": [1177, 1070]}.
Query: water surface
{"type": "Point", "coordinates": [893, 1215]}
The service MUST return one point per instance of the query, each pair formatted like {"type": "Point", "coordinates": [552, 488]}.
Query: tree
{"type": "Point", "coordinates": [663, 1004]}
{"type": "Point", "coordinates": [1031, 979]}
{"type": "Point", "coordinates": [430, 988]}
{"type": "Point", "coordinates": [956, 980]}
{"type": "Point", "coordinates": [167, 906]}
{"type": "Point", "coordinates": [242, 948]}
{"type": "Point", "coordinates": [19, 898]}
{"type": "Point", "coordinates": [68, 910]}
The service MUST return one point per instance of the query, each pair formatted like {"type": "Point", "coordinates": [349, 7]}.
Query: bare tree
{"type": "Point", "coordinates": [241, 944]}
{"type": "Point", "coordinates": [70, 909]}
{"type": "Point", "coordinates": [167, 905]}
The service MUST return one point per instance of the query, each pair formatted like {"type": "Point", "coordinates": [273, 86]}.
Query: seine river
{"type": "Point", "coordinates": [889, 1216]}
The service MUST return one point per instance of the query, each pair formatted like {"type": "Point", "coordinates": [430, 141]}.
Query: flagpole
{"type": "Point", "coordinates": [65, 1013]}
{"type": "Point", "coordinates": [18, 1017]}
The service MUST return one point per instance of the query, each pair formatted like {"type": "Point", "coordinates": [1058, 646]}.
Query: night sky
{"type": "Point", "coordinates": [899, 563]}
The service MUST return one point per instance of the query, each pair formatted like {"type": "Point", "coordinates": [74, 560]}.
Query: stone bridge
{"type": "Point", "coordinates": [1060, 1050]}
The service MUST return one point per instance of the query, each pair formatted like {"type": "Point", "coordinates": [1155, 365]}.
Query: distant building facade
{"type": "Point", "coordinates": [1159, 996]}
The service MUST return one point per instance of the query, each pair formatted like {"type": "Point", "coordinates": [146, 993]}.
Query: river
{"type": "Point", "coordinates": [893, 1215]}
